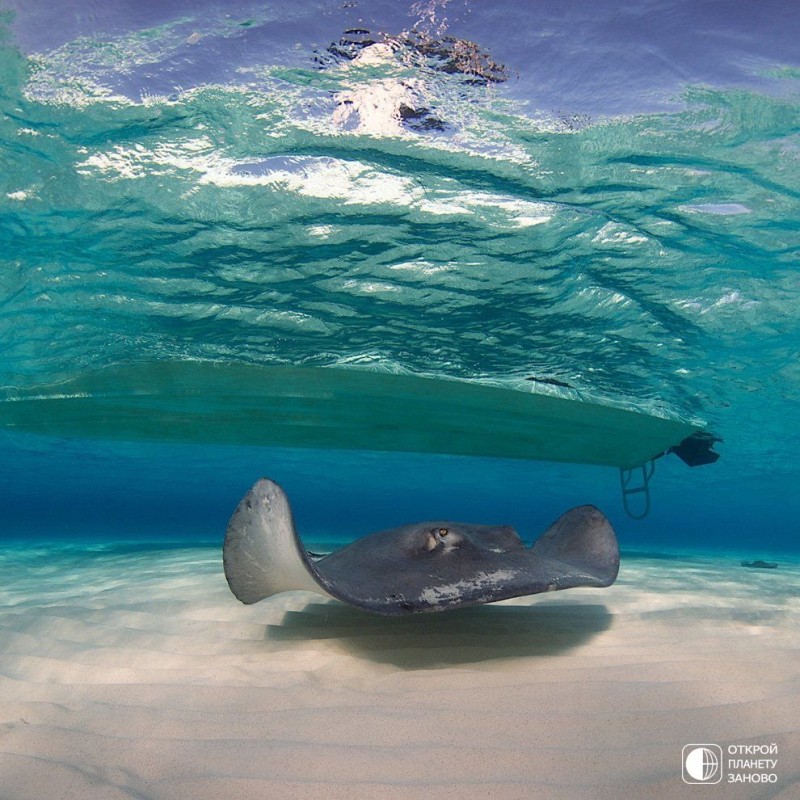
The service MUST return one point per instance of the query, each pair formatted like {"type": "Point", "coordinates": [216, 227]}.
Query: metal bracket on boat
{"type": "Point", "coordinates": [626, 477]}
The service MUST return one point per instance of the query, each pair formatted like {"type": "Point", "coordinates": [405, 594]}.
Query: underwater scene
{"type": "Point", "coordinates": [446, 260]}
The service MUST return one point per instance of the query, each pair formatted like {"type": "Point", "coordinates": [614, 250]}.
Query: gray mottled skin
{"type": "Point", "coordinates": [428, 566]}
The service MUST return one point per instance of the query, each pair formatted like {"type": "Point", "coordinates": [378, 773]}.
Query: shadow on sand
{"type": "Point", "coordinates": [428, 641]}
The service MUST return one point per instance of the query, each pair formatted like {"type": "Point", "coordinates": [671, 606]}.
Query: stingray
{"type": "Point", "coordinates": [427, 566]}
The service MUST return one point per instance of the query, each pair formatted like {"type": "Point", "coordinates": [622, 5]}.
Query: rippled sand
{"type": "Point", "coordinates": [135, 674]}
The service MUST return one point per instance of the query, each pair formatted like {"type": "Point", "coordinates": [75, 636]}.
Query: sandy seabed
{"type": "Point", "coordinates": [136, 674]}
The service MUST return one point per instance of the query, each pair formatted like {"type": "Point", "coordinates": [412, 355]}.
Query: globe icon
{"type": "Point", "coordinates": [702, 763]}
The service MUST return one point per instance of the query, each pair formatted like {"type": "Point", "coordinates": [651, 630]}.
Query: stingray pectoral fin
{"type": "Point", "coordinates": [262, 554]}
{"type": "Point", "coordinates": [583, 539]}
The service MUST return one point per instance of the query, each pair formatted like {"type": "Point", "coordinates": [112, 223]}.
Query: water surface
{"type": "Point", "coordinates": [597, 203]}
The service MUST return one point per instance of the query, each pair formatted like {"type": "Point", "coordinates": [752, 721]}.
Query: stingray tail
{"type": "Point", "coordinates": [262, 554]}
{"type": "Point", "coordinates": [584, 539]}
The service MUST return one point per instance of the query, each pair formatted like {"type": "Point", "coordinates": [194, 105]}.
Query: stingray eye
{"type": "Point", "coordinates": [434, 537]}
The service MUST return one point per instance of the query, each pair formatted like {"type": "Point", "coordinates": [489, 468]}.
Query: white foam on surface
{"type": "Point", "coordinates": [139, 675]}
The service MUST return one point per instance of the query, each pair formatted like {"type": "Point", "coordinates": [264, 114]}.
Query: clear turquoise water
{"type": "Point", "coordinates": [218, 185]}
